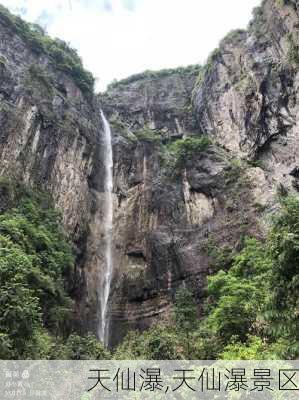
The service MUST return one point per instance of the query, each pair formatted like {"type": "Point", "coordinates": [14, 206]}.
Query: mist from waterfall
{"type": "Point", "coordinates": [105, 281]}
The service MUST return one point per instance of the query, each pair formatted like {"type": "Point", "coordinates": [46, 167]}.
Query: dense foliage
{"type": "Point", "coordinates": [147, 134]}
{"type": "Point", "coordinates": [60, 53]}
{"type": "Point", "coordinates": [251, 310]}
{"type": "Point", "coordinates": [283, 305]}
{"type": "Point", "coordinates": [35, 257]}
{"type": "Point", "coordinates": [178, 153]}
{"type": "Point", "coordinates": [191, 69]}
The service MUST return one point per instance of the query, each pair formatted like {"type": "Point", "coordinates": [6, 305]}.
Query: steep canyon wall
{"type": "Point", "coordinates": [172, 213]}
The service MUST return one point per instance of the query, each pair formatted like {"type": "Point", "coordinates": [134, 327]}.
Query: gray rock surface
{"type": "Point", "coordinates": [169, 221]}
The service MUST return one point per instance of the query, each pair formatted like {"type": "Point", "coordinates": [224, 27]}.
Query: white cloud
{"type": "Point", "coordinates": [117, 38]}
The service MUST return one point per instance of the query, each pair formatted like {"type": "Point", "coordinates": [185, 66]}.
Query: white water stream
{"type": "Point", "coordinates": [105, 285]}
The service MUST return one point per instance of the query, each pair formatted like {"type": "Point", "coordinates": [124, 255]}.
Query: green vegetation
{"type": "Point", "coordinates": [3, 61]}
{"type": "Point", "coordinates": [283, 305]}
{"type": "Point", "coordinates": [179, 152]}
{"type": "Point", "coordinates": [39, 81]}
{"type": "Point", "coordinates": [256, 163]}
{"type": "Point", "coordinates": [221, 256]}
{"type": "Point", "coordinates": [164, 341]}
{"type": "Point", "coordinates": [148, 134]}
{"type": "Point", "coordinates": [185, 316]}
{"type": "Point", "coordinates": [62, 56]}
{"type": "Point", "coordinates": [121, 128]}
{"type": "Point", "coordinates": [282, 3]}
{"type": "Point", "coordinates": [215, 56]}
{"type": "Point", "coordinates": [251, 310]}
{"type": "Point", "coordinates": [191, 69]}
{"type": "Point", "coordinates": [39, 73]}
{"type": "Point", "coordinates": [233, 36]}
{"type": "Point", "coordinates": [83, 348]}
{"type": "Point", "coordinates": [258, 25]}
{"type": "Point", "coordinates": [293, 52]}
{"type": "Point", "coordinates": [159, 342]}
{"type": "Point", "coordinates": [245, 84]}
{"type": "Point", "coordinates": [254, 349]}
{"type": "Point", "coordinates": [237, 294]}
{"type": "Point", "coordinates": [235, 170]}
{"type": "Point", "coordinates": [35, 257]}
{"type": "Point", "coordinates": [184, 311]}
{"type": "Point", "coordinates": [202, 73]}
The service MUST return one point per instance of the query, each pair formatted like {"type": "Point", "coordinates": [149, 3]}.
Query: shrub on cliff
{"type": "Point", "coordinates": [157, 343]}
{"type": "Point", "coordinates": [60, 53]}
{"type": "Point", "coordinates": [148, 134]}
{"type": "Point", "coordinates": [184, 150]}
{"type": "Point", "coordinates": [148, 74]}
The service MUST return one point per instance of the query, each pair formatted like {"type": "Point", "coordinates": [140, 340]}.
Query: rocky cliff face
{"type": "Point", "coordinates": [172, 227]}
{"type": "Point", "coordinates": [180, 207]}
{"type": "Point", "coordinates": [247, 97]}
{"type": "Point", "coordinates": [51, 137]}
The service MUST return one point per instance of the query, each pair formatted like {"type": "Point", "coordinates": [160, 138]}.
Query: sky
{"type": "Point", "coordinates": [118, 38]}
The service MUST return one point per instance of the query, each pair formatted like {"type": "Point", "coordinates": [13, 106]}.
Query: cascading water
{"type": "Point", "coordinates": [104, 289]}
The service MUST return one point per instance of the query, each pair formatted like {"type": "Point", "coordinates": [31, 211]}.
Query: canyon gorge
{"type": "Point", "coordinates": [162, 170]}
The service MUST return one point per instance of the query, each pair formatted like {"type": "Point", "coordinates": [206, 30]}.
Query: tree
{"type": "Point", "coordinates": [20, 312]}
{"type": "Point", "coordinates": [157, 343]}
{"type": "Point", "coordinates": [34, 258]}
{"type": "Point", "coordinates": [255, 348]}
{"type": "Point", "coordinates": [185, 314]}
{"type": "Point", "coordinates": [283, 305]}
{"type": "Point", "coordinates": [85, 348]}
{"type": "Point", "coordinates": [235, 301]}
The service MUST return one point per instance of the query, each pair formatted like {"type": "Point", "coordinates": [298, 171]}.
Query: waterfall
{"type": "Point", "coordinates": [104, 289]}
